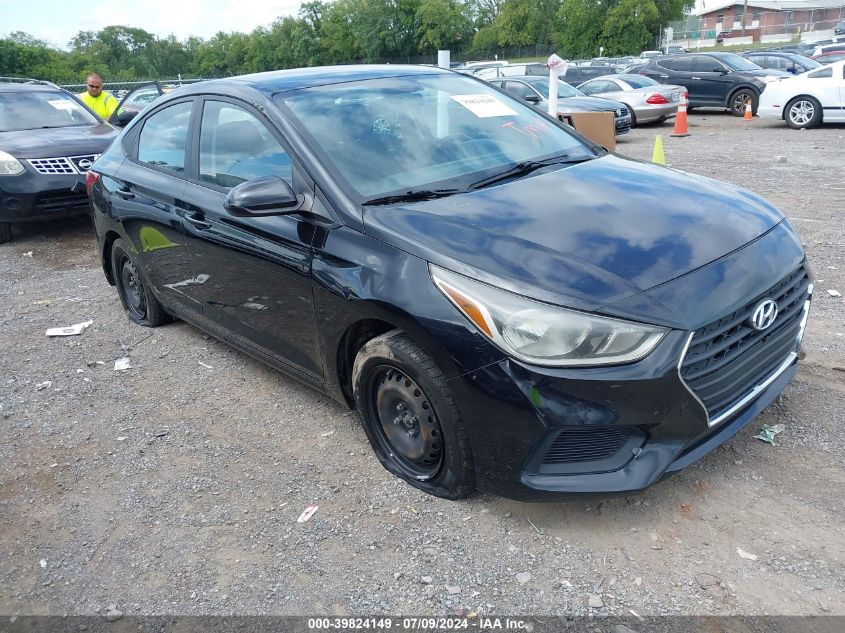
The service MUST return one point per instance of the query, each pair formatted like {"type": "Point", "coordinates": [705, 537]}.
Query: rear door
{"type": "Point", "coordinates": [255, 271]}
{"type": "Point", "coordinates": [149, 184]}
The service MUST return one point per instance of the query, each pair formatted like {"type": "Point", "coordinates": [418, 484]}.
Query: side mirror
{"type": "Point", "coordinates": [268, 195]}
{"type": "Point", "coordinates": [123, 117]}
{"type": "Point", "coordinates": [533, 99]}
{"type": "Point", "coordinates": [720, 70]}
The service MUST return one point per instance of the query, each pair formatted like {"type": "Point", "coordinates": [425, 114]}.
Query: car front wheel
{"type": "Point", "coordinates": [140, 304]}
{"type": "Point", "coordinates": [803, 112]}
{"type": "Point", "coordinates": [410, 417]}
{"type": "Point", "coordinates": [740, 99]}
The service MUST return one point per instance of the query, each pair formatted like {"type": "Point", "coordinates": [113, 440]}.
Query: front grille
{"type": "Point", "coordinates": [623, 111]}
{"type": "Point", "coordinates": [58, 201]}
{"type": "Point", "coordinates": [63, 164]}
{"type": "Point", "coordinates": [59, 165]}
{"type": "Point", "coordinates": [585, 445]}
{"type": "Point", "coordinates": [728, 358]}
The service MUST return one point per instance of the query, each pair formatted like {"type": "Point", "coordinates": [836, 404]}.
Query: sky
{"type": "Point", "coordinates": [57, 21]}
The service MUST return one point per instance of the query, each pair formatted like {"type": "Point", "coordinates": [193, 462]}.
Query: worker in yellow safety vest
{"type": "Point", "coordinates": [100, 101]}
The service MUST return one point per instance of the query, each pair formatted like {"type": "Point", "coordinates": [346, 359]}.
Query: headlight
{"type": "Point", "coordinates": [544, 334]}
{"type": "Point", "coordinates": [9, 165]}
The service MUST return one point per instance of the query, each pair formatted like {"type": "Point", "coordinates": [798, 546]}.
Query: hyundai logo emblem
{"type": "Point", "coordinates": [764, 315]}
{"type": "Point", "coordinates": [85, 164]}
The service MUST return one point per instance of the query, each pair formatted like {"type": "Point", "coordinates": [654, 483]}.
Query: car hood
{"type": "Point", "coordinates": [586, 235]}
{"type": "Point", "coordinates": [588, 104]}
{"type": "Point", "coordinates": [64, 141]}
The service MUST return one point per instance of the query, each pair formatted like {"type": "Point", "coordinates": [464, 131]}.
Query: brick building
{"type": "Point", "coordinates": [769, 16]}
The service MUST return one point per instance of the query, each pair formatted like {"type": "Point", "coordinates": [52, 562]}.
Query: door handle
{"type": "Point", "coordinates": [664, 76]}
{"type": "Point", "coordinates": [697, 78]}
{"type": "Point", "coordinates": [124, 193]}
{"type": "Point", "coordinates": [197, 219]}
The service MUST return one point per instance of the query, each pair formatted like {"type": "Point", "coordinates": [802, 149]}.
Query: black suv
{"type": "Point", "coordinates": [48, 140]}
{"type": "Point", "coordinates": [721, 80]}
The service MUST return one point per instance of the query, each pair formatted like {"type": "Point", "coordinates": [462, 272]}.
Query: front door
{"type": "Point", "coordinates": [134, 101]}
{"type": "Point", "coordinates": [255, 272]}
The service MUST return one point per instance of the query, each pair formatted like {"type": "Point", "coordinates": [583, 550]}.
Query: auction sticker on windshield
{"type": "Point", "coordinates": [484, 106]}
{"type": "Point", "coordinates": [61, 104]}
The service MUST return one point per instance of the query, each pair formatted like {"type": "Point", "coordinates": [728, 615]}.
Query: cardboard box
{"type": "Point", "coordinates": [599, 127]}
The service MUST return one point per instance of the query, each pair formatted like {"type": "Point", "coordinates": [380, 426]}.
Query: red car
{"type": "Point", "coordinates": [830, 56]}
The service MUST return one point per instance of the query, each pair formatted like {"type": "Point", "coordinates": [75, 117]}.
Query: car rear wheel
{"type": "Point", "coordinates": [140, 304]}
{"type": "Point", "coordinates": [5, 232]}
{"type": "Point", "coordinates": [740, 98]}
{"type": "Point", "coordinates": [803, 112]}
{"type": "Point", "coordinates": [410, 417]}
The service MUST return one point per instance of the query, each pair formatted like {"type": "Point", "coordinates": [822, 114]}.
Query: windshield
{"type": "Point", "coordinates": [441, 131]}
{"type": "Point", "coordinates": [806, 62]}
{"type": "Point", "coordinates": [35, 109]}
{"type": "Point", "coordinates": [638, 81]}
{"type": "Point", "coordinates": [564, 90]}
{"type": "Point", "coordinates": [735, 62]}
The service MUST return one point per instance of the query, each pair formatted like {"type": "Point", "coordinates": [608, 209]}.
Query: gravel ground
{"type": "Point", "coordinates": [174, 487]}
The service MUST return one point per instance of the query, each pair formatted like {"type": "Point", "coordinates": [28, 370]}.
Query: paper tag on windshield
{"type": "Point", "coordinates": [61, 104]}
{"type": "Point", "coordinates": [484, 106]}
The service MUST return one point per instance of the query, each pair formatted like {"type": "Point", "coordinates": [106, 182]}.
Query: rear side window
{"type": "Point", "coordinates": [164, 137]}
{"type": "Point", "coordinates": [235, 147]}
{"type": "Point", "coordinates": [678, 64]}
{"type": "Point", "coordinates": [821, 74]}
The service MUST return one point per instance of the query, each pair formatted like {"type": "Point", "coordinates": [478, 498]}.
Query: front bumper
{"type": "Point", "coordinates": [546, 433]}
{"type": "Point", "coordinates": [33, 197]}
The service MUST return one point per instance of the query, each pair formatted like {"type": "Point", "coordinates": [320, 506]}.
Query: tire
{"type": "Point", "coordinates": [5, 232]}
{"type": "Point", "coordinates": [802, 112]}
{"type": "Point", "coordinates": [140, 304]}
{"type": "Point", "coordinates": [737, 102]}
{"type": "Point", "coordinates": [410, 417]}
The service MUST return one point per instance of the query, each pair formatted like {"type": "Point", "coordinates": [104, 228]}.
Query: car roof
{"type": "Point", "coordinates": [27, 87]}
{"type": "Point", "coordinates": [297, 78]}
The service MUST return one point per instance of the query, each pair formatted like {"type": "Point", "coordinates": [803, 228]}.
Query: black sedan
{"type": "Point", "coordinates": [507, 306]}
{"type": "Point", "coordinates": [48, 140]}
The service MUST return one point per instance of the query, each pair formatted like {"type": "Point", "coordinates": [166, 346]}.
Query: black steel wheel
{"type": "Point", "coordinates": [410, 417]}
{"type": "Point", "coordinates": [140, 304]}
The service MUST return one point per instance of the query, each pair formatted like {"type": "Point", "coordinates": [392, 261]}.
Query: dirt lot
{"type": "Point", "coordinates": [174, 487]}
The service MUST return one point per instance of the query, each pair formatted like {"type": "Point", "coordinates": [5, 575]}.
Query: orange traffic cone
{"type": "Point", "coordinates": [748, 114]}
{"type": "Point", "coordinates": [681, 118]}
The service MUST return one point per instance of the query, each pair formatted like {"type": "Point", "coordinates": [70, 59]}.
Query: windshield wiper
{"type": "Point", "coordinates": [414, 195]}
{"type": "Point", "coordinates": [526, 167]}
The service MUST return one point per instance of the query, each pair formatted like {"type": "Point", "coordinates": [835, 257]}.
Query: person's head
{"type": "Point", "coordinates": [94, 84]}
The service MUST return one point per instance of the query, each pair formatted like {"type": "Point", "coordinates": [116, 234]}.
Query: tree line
{"type": "Point", "coordinates": [352, 31]}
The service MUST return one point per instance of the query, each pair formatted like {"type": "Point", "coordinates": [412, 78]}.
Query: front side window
{"type": "Point", "coordinates": [519, 89]}
{"type": "Point", "coordinates": [164, 137]}
{"type": "Point", "coordinates": [236, 147]}
{"type": "Point", "coordinates": [431, 131]}
{"type": "Point", "coordinates": [34, 109]}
